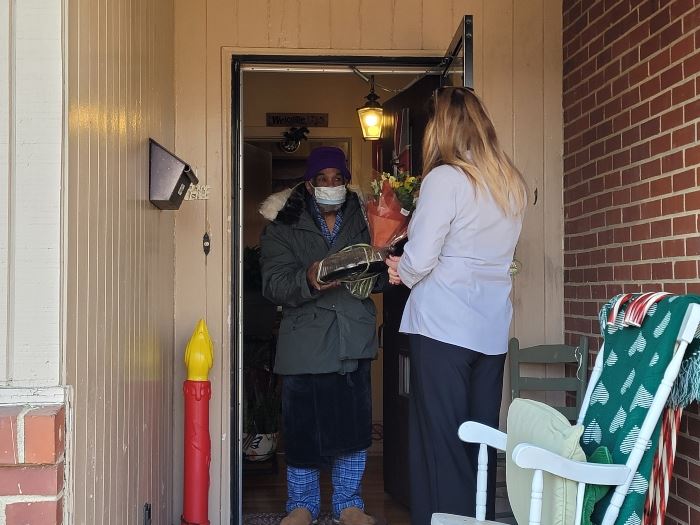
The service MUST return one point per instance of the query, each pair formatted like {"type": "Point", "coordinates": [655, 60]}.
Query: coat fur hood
{"type": "Point", "coordinates": [286, 206]}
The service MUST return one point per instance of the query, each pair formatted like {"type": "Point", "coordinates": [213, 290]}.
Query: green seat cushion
{"type": "Point", "coordinates": [543, 426]}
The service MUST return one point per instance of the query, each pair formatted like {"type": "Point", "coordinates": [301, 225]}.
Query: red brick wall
{"type": "Point", "coordinates": [31, 465]}
{"type": "Point", "coordinates": [631, 156]}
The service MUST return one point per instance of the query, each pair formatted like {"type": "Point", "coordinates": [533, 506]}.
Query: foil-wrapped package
{"type": "Point", "coordinates": [353, 263]}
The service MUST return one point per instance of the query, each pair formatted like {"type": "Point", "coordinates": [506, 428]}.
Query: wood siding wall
{"type": "Point", "coordinates": [31, 107]}
{"type": "Point", "coordinates": [517, 53]}
{"type": "Point", "coordinates": [119, 261]}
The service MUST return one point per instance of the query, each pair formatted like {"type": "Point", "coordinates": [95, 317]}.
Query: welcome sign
{"type": "Point", "coordinates": [286, 120]}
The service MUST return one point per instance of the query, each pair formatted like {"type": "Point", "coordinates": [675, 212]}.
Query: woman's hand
{"type": "Point", "coordinates": [393, 263]}
{"type": "Point", "coordinates": [311, 274]}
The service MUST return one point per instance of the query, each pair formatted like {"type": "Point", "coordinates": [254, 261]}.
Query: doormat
{"type": "Point", "coordinates": [273, 518]}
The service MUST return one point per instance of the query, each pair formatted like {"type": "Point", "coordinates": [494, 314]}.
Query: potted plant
{"type": "Point", "coordinates": [262, 400]}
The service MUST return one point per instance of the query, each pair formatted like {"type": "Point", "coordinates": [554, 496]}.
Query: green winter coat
{"type": "Point", "coordinates": [320, 332]}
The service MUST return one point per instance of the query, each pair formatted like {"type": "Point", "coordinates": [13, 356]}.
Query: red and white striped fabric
{"type": "Point", "coordinates": [662, 470]}
{"type": "Point", "coordinates": [637, 309]}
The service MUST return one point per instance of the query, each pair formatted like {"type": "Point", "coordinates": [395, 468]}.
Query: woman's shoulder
{"type": "Point", "coordinates": [446, 172]}
{"type": "Point", "coordinates": [447, 176]}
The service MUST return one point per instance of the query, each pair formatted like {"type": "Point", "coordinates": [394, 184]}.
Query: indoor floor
{"type": "Point", "coordinates": [267, 492]}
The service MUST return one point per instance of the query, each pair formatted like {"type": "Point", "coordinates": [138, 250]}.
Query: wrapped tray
{"type": "Point", "coordinates": [357, 262]}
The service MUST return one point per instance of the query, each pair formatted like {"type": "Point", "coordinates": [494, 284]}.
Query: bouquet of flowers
{"type": "Point", "coordinates": [388, 211]}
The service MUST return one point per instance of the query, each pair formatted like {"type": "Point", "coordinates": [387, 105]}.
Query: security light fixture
{"type": "Point", "coordinates": [169, 178]}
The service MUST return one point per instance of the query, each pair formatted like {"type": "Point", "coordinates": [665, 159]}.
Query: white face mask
{"type": "Point", "coordinates": [330, 196]}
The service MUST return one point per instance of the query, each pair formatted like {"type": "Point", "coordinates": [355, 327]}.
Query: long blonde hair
{"type": "Point", "coordinates": [461, 134]}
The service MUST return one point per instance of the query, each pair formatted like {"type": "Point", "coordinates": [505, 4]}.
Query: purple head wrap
{"type": "Point", "coordinates": [326, 157]}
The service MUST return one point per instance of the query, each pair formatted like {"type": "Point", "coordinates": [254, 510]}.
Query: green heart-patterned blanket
{"type": "Point", "coordinates": [635, 360]}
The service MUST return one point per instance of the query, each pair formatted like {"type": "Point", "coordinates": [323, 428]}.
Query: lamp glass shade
{"type": "Point", "coordinates": [371, 119]}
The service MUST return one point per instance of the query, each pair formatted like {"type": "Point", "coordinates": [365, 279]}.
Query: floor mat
{"type": "Point", "coordinates": [273, 518]}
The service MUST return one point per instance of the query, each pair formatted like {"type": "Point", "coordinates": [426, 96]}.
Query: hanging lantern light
{"type": "Point", "coordinates": [371, 115]}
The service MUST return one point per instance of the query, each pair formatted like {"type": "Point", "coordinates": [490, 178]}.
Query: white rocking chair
{"type": "Point", "coordinates": [529, 456]}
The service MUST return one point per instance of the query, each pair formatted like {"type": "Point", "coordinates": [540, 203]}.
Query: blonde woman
{"type": "Point", "coordinates": [461, 242]}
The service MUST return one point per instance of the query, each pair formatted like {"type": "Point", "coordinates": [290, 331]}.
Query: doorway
{"type": "Point", "coordinates": [257, 83]}
{"type": "Point", "coordinates": [269, 165]}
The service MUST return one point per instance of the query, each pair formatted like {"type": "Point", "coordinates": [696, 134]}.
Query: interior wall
{"type": "Point", "coordinates": [517, 54]}
{"type": "Point", "coordinates": [338, 94]}
{"type": "Point", "coordinates": [119, 354]}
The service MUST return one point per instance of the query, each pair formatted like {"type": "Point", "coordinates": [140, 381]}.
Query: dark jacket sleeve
{"type": "Point", "coordinates": [382, 282]}
{"type": "Point", "coordinates": [283, 275]}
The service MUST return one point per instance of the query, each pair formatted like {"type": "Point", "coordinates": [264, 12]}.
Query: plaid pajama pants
{"type": "Point", "coordinates": [303, 488]}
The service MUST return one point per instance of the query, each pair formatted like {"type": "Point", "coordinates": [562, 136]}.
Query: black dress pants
{"type": "Point", "coordinates": [449, 385]}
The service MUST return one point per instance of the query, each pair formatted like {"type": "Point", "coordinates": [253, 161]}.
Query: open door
{"type": "Point", "coordinates": [406, 116]}
{"type": "Point", "coordinates": [458, 70]}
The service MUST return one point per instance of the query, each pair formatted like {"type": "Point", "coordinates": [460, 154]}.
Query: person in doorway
{"type": "Point", "coordinates": [327, 339]}
{"type": "Point", "coordinates": [462, 238]}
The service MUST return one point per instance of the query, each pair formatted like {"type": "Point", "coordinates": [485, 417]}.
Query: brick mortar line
{"type": "Point", "coordinates": [632, 265]}
{"type": "Point", "coordinates": [601, 229]}
{"type": "Point", "coordinates": [651, 35]}
{"type": "Point", "coordinates": [578, 334]}
{"type": "Point", "coordinates": [674, 149]}
{"type": "Point", "coordinates": [670, 109]}
{"type": "Point", "coordinates": [7, 500]}
{"type": "Point", "coordinates": [567, 9]}
{"type": "Point", "coordinates": [691, 504]}
{"type": "Point", "coordinates": [692, 483]}
{"type": "Point", "coordinates": [624, 71]}
{"type": "Point", "coordinates": [603, 13]}
{"type": "Point", "coordinates": [28, 498]}
{"type": "Point", "coordinates": [591, 300]}
{"type": "Point", "coordinates": [627, 263]}
{"type": "Point", "coordinates": [646, 281]}
{"type": "Point", "coordinates": [627, 243]}
{"type": "Point", "coordinates": [632, 87]}
{"type": "Point", "coordinates": [20, 433]}
{"type": "Point", "coordinates": [670, 131]}
{"type": "Point", "coordinates": [636, 184]}
{"type": "Point", "coordinates": [646, 200]}
{"type": "Point", "coordinates": [601, 283]}
{"type": "Point", "coordinates": [639, 124]}
{"type": "Point", "coordinates": [683, 236]}
{"type": "Point", "coordinates": [617, 245]}
{"type": "Point", "coordinates": [695, 461]}
{"type": "Point", "coordinates": [663, 259]}
{"type": "Point", "coordinates": [585, 301]}
{"type": "Point", "coordinates": [640, 281]}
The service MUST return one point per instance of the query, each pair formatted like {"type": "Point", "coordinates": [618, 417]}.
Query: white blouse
{"type": "Point", "coordinates": [456, 263]}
